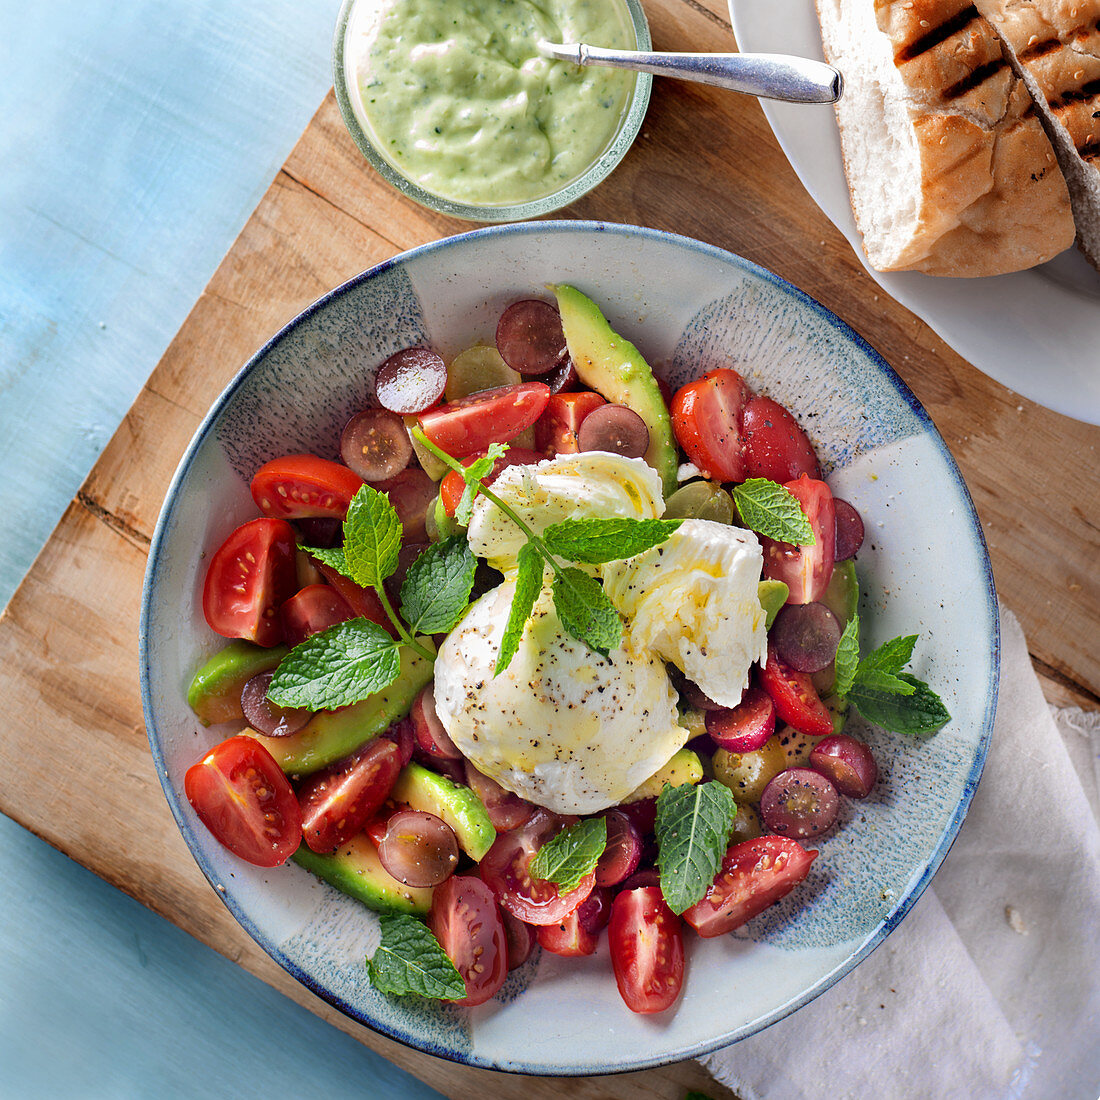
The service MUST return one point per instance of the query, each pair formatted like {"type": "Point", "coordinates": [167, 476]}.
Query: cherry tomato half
{"type": "Point", "coordinates": [775, 446]}
{"type": "Point", "coordinates": [567, 937]}
{"type": "Point", "coordinates": [468, 425]}
{"type": "Point", "coordinates": [706, 419]}
{"type": "Point", "coordinates": [806, 570]}
{"type": "Point", "coordinates": [311, 610]}
{"type": "Point", "coordinates": [504, 869]}
{"type": "Point", "coordinates": [304, 487]}
{"type": "Point", "coordinates": [452, 486]}
{"type": "Point", "coordinates": [243, 798]}
{"type": "Point", "coordinates": [755, 874]}
{"type": "Point", "coordinates": [249, 577]}
{"type": "Point", "coordinates": [465, 919]}
{"type": "Point", "coordinates": [795, 697]}
{"type": "Point", "coordinates": [647, 949]}
{"type": "Point", "coordinates": [556, 429]}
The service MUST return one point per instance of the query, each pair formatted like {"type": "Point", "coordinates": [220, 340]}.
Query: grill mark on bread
{"type": "Point", "coordinates": [979, 76]}
{"type": "Point", "coordinates": [1076, 95]}
{"type": "Point", "coordinates": [1040, 49]}
{"type": "Point", "coordinates": [1090, 152]}
{"type": "Point", "coordinates": [936, 35]}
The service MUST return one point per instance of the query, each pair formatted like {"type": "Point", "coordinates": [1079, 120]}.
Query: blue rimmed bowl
{"type": "Point", "coordinates": [923, 569]}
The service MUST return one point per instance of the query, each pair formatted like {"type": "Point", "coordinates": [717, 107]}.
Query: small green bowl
{"type": "Point", "coordinates": [596, 172]}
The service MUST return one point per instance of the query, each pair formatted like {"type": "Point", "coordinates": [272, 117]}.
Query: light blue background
{"type": "Point", "coordinates": [135, 140]}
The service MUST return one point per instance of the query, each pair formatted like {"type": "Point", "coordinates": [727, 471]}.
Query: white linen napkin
{"type": "Point", "coordinates": [990, 987]}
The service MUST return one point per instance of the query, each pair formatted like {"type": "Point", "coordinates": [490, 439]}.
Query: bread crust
{"type": "Point", "coordinates": [989, 198]}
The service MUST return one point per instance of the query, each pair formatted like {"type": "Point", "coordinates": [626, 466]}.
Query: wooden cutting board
{"type": "Point", "coordinates": [74, 763]}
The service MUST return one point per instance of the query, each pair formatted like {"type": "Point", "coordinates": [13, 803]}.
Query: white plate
{"type": "Point", "coordinates": [1036, 332]}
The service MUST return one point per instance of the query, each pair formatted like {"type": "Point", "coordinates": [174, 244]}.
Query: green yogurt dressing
{"type": "Point", "coordinates": [456, 98]}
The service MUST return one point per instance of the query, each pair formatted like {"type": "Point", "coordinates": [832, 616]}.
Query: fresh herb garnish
{"type": "Point", "coordinates": [880, 689]}
{"type": "Point", "coordinates": [583, 606]}
{"type": "Point", "coordinates": [568, 856]}
{"type": "Point", "coordinates": [410, 960]}
{"type": "Point", "coordinates": [769, 509]}
{"type": "Point", "coordinates": [693, 829]}
{"type": "Point", "coordinates": [437, 587]}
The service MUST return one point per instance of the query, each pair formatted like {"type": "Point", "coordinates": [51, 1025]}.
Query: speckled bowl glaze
{"type": "Point", "coordinates": [595, 174]}
{"type": "Point", "coordinates": [689, 307]}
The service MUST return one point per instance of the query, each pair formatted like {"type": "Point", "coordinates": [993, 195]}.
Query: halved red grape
{"type": "Point", "coordinates": [647, 876]}
{"type": "Point", "coordinates": [418, 848]}
{"type": "Point", "coordinates": [623, 852]}
{"type": "Point", "coordinates": [337, 802]}
{"type": "Point", "coordinates": [849, 530]}
{"type": "Point", "coordinates": [799, 803]}
{"type": "Point", "coordinates": [695, 695]}
{"type": "Point", "coordinates": [263, 715]}
{"type": "Point", "coordinates": [643, 813]}
{"type": "Point", "coordinates": [521, 938]}
{"type": "Point", "coordinates": [745, 727]}
{"type": "Point", "coordinates": [595, 911]}
{"type": "Point", "coordinates": [402, 735]}
{"type": "Point", "coordinates": [805, 636]}
{"type": "Point", "coordinates": [430, 734]}
{"type": "Point", "coordinates": [375, 445]}
{"type": "Point", "coordinates": [562, 379]}
{"type": "Point", "coordinates": [848, 763]}
{"type": "Point", "coordinates": [614, 428]}
{"type": "Point", "coordinates": [410, 493]}
{"type": "Point", "coordinates": [529, 337]}
{"type": "Point", "coordinates": [410, 381]}
{"type": "Point", "coordinates": [505, 809]}
{"type": "Point", "coordinates": [408, 553]}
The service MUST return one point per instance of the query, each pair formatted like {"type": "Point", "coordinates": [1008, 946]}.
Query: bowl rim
{"type": "Point", "coordinates": [591, 177]}
{"type": "Point", "coordinates": [884, 927]}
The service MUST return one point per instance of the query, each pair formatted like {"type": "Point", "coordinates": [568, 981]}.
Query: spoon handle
{"type": "Point", "coordinates": [772, 76]}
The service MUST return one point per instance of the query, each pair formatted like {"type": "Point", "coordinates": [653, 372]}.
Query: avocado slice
{"type": "Point", "coordinates": [215, 692]}
{"type": "Point", "coordinates": [457, 805]}
{"type": "Point", "coordinates": [615, 369]}
{"type": "Point", "coordinates": [772, 595]}
{"type": "Point", "coordinates": [331, 735]}
{"type": "Point", "coordinates": [355, 869]}
{"type": "Point", "coordinates": [684, 767]}
{"type": "Point", "coordinates": [842, 595]}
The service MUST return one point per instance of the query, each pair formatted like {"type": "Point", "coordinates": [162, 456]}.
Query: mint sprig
{"type": "Point", "coordinates": [410, 960]}
{"type": "Point", "coordinates": [529, 576]}
{"type": "Point", "coordinates": [769, 509]}
{"type": "Point", "coordinates": [567, 857]}
{"type": "Point", "coordinates": [693, 828]}
{"type": "Point", "coordinates": [436, 589]}
{"type": "Point", "coordinates": [880, 689]}
{"type": "Point", "coordinates": [584, 608]}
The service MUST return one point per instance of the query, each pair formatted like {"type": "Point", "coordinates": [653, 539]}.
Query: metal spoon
{"type": "Point", "coordinates": [772, 76]}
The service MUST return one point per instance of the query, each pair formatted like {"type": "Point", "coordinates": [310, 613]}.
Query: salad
{"type": "Point", "coordinates": [550, 652]}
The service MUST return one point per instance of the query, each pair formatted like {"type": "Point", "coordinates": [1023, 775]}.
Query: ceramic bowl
{"type": "Point", "coordinates": [596, 172]}
{"type": "Point", "coordinates": [923, 569]}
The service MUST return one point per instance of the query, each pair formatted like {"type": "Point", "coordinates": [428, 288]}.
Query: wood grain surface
{"type": "Point", "coordinates": [74, 763]}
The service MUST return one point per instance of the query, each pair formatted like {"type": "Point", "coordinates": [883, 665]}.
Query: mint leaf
{"type": "Point", "coordinates": [874, 679]}
{"type": "Point", "coordinates": [410, 960]}
{"type": "Point", "coordinates": [332, 557]}
{"type": "Point", "coordinates": [595, 541]}
{"type": "Point", "coordinates": [436, 589]}
{"type": "Point", "coordinates": [341, 665]}
{"type": "Point", "coordinates": [847, 657]}
{"type": "Point", "coordinates": [768, 508]}
{"type": "Point", "coordinates": [586, 612]}
{"type": "Point", "coordinates": [693, 830]}
{"type": "Point", "coordinates": [920, 713]}
{"type": "Point", "coordinates": [528, 587]}
{"type": "Point", "coordinates": [474, 474]}
{"type": "Point", "coordinates": [372, 537]}
{"type": "Point", "coordinates": [891, 656]}
{"type": "Point", "coordinates": [571, 854]}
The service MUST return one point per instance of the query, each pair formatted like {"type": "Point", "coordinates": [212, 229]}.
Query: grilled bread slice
{"type": "Point", "coordinates": [1055, 47]}
{"type": "Point", "coordinates": [948, 166]}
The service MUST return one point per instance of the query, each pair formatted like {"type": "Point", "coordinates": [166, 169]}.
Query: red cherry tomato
{"type": "Point", "coordinates": [754, 874]}
{"type": "Point", "coordinates": [647, 949]}
{"type": "Point", "coordinates": [304, 486]}
{"type": "Point", "coordinates": [311, 610]}
{"type": "Point", "coordinates": [567, 937]}
{"type": "Point", "coordinates": [706, 418]}
{"type": "Point", "coordinates": [243, 798]}
{"type": "Point", "coordinates": [338, 801]}
{"type": "Point", "coordinates": [556, 429]}
{"type": "Point", "coordinates": [249, 577]}
{"type": "Point", "coordinates": [469, 425]}
{"type": "Point", "coordinates": [504, 869]}
{"type": "Point", "coordinates": [775, 446]}
{"type": "Point", "coordinates": [465, 919]}
{"type": "Point", "coordinates": [795, 697]}
{"type": "Point", "coordinates": [364, 602]}
{"type": "Point", "coordinates": [806, 570]}
{"type": "Point", "coordinates": [452, 486]}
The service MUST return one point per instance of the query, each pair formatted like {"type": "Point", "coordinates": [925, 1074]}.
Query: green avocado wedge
{"type": "Point", "coordinates": [615, 369]}
{"type": "Point", "coordinates": [215, 692]}
{"type": "Point", "coordinates": [331, 735]}
{"type": "Point", "coordinates": [355, 869]}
